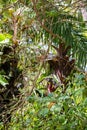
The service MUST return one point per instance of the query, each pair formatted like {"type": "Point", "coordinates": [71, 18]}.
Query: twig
{"type": "Point", "coordinates": [42, 23]}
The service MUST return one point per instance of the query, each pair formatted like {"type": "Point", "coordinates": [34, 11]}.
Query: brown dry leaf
{"type": "Point", "coordinates": [51, 104]}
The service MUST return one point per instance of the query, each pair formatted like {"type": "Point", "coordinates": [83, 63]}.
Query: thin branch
{"type": "Point", "coordinates": [43, 25]}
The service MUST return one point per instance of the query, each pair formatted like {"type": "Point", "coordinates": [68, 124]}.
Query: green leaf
{"type": "Point", "coordinates": [64, 97]}
{"type": "Point", "coordinates": [78, 91]}
{"type": "Point", "coordinates": [3, 80]}
{"type": "Point", "coordinates": [31, 99]}
{"type": "Point", "coordinates": [85, 103]}
{"type": "Point", "coordinates": [4, 36]}
{"type": "Point", "coordinates": [44, 112]}
{"type": "Point", "coordinates": [56, 108]}
{"type": "Point", "coordinates": [13, 1]}
{"type": "Point", "coordinates": [42, 77]}
{"type": "Point", "coordinates": [62, 118]}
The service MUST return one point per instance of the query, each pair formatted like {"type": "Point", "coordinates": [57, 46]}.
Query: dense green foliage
{"type": "Point", "coordinates": [55, 111]}
{"type": "Point", "coordinates": [43, 45]}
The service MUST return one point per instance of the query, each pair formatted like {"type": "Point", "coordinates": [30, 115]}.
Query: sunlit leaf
{"type": "Point", "coordinates": [4, 36]}
{"type": "Point", "coordinates": [3, 80]}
